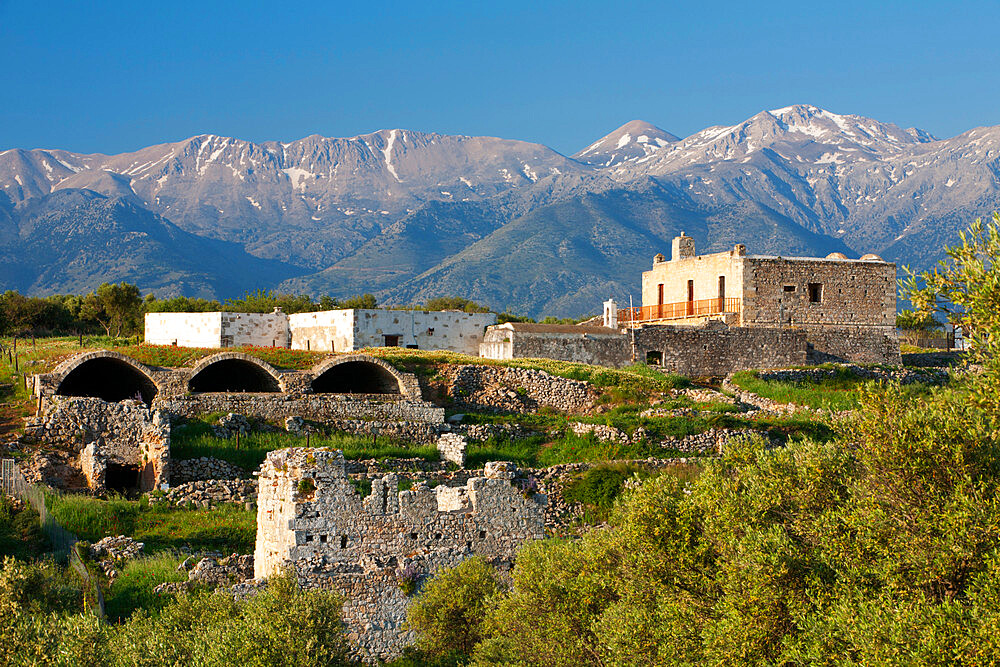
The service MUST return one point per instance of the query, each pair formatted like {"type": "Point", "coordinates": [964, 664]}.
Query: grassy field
{"type": "Point", "coordinates": [837, 393]}
{"type": "Point", "coordinates": [225, 529]}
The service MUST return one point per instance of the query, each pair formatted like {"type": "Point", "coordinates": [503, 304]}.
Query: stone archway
{"type": "Point", "coordinates": [106, 375]}
{"type": "Point", "coordinates": [234, 372]}
{"type": "Point", "coordinates": [357, 374]}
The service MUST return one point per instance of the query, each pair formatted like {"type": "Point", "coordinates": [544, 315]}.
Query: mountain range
{"type": "Point", "coordinates": [512, 224]}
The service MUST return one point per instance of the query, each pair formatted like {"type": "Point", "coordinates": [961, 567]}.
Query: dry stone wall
{"type": "Point", "coordinates": [520, 390]}
{"type": "Point", "coordinates": [717, 350]}
{"type": "Point", "coordinates": [310, 516]}
{"type": "Point", "coordinates": [318, 407]}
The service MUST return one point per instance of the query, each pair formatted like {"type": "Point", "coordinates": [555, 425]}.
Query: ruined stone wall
{"type": "Point", "coordinates": [853, 293]}
{"type": "Point", "coordinates": [126, 432]}
{"type": "Point", "coordinates": [602, 349]}
{"type": "Point", "coordinates": [317, 407]}
{"type": "Point", "coordinates": [502, 389]}
{"type": "Point", "coordinates": [310, 516]}
{"type": "Point", "coordinates": [860, 345]}
{"type": "Point", "coordinates": [715, 350]}
{"type": "Point", "coordinates": [331, 330]}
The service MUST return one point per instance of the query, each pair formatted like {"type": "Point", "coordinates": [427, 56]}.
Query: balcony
{"type": "Point", "coordinates": [678, 311]}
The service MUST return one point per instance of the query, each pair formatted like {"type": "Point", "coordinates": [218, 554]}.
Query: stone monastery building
{"type": "Point", "coordinates": [721, 312]}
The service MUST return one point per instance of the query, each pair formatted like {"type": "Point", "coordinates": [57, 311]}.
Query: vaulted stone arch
{"type": "Point", "coordinates": [110, 376]}
{"type": "Point", "coordinates": [234, 372]}
{"type": "Point", "coordinates": [359, 374]}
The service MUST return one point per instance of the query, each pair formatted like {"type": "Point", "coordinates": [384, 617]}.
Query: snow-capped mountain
{"type": "Point", "coordinates": [408, 214]}
{"type": "Point", "coordinates": [631, 142]}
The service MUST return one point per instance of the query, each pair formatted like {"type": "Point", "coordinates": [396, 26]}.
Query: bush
{"type": "Point", "coordinates": [449, 613]}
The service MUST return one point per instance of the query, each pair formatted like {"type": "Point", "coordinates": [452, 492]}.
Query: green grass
{"type": "Point", "coordinates": [168, 355]}
{"type": "Point", "coordinates": [20, 534]}
{"type": "Point", "coordinates": [160, 527]}
{"type": "Point", "coordinates": [195, 440]}
{"type": "Point", "coordinates": [837, 393]}
{"type": "Point", "coordinates": [133, 589]}
{"type": "Point", "coordinates": [636, 378]}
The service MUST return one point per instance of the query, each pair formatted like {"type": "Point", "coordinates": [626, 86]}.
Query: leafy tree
{"type": "Point", "coordinates": [912, 321]}
{"type": "Point", "coordinates": [181, 304]}
{"type": "Point", "coordinates": [364, 301]}
{"type": "Point", "coordinates": [454, 303]}
{"type": "Point", "coordinates": [116, 308]}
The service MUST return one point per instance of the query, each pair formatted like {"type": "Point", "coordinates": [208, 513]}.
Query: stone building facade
{"type": "Point", "coordinates": [846, 307]}
{"type": "Point", "coordinates": [343, 330]}
{"type": "Point", "coordinates": [311, 519]}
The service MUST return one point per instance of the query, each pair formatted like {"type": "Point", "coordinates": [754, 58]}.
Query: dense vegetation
{"type": "Point", "coordinates": [881, 546]}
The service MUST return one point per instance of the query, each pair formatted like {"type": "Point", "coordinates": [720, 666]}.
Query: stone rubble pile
{"type": "Point", "coordinates": [213, 573]}
{"type": "Point", "coordinates": [452, 448]}
{"type": "Point", "coordinates": [112, 552]}
{"type": "Point", "coordinates": [230, 425]}
{"type": "Point", "coordinates": [209, 493]}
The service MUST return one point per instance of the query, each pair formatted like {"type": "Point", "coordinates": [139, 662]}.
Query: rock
{"type": "Point", "coordinates": [296, 425]}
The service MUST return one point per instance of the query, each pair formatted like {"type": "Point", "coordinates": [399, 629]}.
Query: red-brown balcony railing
{"type": "Point", "coordinates": [682, 309]}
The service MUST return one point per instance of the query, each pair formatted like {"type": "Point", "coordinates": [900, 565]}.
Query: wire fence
{"type": "Point", "coordinates": [63, 543]}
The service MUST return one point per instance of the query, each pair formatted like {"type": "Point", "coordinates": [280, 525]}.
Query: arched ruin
{"type": "Point", "coordinates": [106, 375]}
{"type": "Point", "coordinates": [356, 375]}
{"type": "Point", "coordinates": [231, 372]}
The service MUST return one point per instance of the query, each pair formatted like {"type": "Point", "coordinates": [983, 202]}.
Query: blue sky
{"type": "Point", "coordinates": [110, 77]}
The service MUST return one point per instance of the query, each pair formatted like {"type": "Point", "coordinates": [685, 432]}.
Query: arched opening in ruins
{"type": "Point", "coordinates": [121, 478]}
{"type": "Point", "coordinates": [109, 379]}
{"type": "Point", "coordinates": [356, 377]}
{"type": "Point", "coordinates": [233, 375]}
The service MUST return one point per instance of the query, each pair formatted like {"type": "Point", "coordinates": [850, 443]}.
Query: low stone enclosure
{"type": "Point", "coordinates": [310, 519]}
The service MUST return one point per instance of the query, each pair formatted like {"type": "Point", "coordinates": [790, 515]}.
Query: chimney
{"type": "Point", "coordinates": [683, 247]}
{"type": "Point", "coordinates": [611, 314]}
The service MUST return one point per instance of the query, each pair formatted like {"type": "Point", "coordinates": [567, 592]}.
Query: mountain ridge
{"type": "Point", "coordinates": [394, 211]}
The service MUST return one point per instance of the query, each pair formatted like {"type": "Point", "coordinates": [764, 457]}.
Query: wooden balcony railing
{"type": "Point", "coordinates": [674, 311]}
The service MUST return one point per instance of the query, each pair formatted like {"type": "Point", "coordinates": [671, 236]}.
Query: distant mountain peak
{"type": "Point", "coordinates": [634, 139]}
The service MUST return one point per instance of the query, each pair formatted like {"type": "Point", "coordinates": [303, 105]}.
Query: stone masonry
{"type": "Point", "coordinates": [310, 518]}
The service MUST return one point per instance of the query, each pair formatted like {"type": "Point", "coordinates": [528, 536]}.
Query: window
{"type": "Point", "coordinates": [654, 358]}
{"type": "Point", "coordinates": [412, 347]}
{"type": "Point", "coordinates": [815, 292]}
{"type": "Point", "coordinates": [391, 341]}
{"type": "Point", "coordinates": [789, 288]}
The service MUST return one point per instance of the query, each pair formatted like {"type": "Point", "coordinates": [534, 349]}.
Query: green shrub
{"type": "Point", "coordinates": [450, 612]}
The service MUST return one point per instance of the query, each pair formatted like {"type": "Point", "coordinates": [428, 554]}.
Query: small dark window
{"type": "Point", "coordinates": [411, 347]}
{"type": "Point", "coordinates": [343, 542]}
{"type": "Point", "coordinates": [654, 358]}
{"type": "Point", "coordinates": [391, 341]}
{"type": "Point", "coordinates": [815, 292]}
{"type": "Point", "coordinates": [309, 538]}
{"type": "Point", "coordinates": [413, 536]}
{"type": "Point", "coordinates": [430, 331]}
{"type": "Point", "coordinates": [482, 534]}
{"type": "Point", "coordinates": [323, 538]}
{"type": "Point", "coordinates": [789, 288]}
{"type": "Point", "coordinates": [437, 536]}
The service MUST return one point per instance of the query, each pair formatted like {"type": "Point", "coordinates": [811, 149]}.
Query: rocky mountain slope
{"type": "Point", "coordinates": [410, 215]}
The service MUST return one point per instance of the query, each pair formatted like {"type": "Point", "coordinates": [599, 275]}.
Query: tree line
{"type": "Point", "coordinates": [117, 309]}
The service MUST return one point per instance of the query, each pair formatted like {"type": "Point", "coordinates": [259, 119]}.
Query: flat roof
{"type": "Point", "coordinates": [530, 327]}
